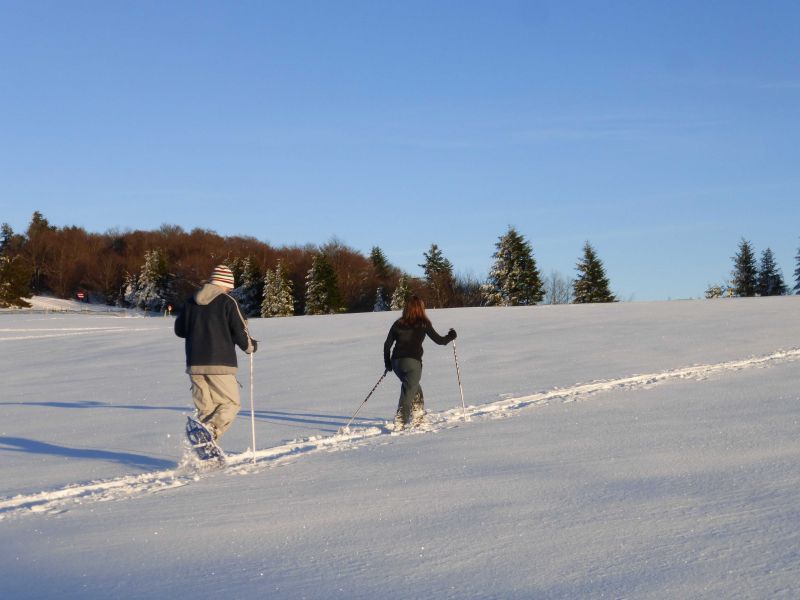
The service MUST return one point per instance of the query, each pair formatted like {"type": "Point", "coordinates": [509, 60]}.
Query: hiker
{"type": "Point", "coordinates": [213, 326]}
{"type": "Point", "coordinates": [407, 335]}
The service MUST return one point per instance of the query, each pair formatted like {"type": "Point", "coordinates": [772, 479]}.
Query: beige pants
{"type": "Point", "coordinates": [216, 398]}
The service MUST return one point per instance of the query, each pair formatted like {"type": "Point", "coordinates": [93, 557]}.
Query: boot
{"type": "Point", "coordinates": [418, 410]}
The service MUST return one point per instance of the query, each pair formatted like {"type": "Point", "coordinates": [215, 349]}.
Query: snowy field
{"type": "Point", "coordinates": [635, 450]}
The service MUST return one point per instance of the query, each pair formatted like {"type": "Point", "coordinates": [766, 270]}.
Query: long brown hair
{"type": "Point", "coordinates": [414, 313]}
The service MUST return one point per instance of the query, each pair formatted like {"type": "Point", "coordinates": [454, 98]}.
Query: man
{"type": "Point", "coordinates": [213, 325]}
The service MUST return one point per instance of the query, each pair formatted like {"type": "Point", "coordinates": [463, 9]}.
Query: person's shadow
{"type": "Point", "coordinates": [15, 444]}
{"type": "Point", "coordinates": [325, 423]}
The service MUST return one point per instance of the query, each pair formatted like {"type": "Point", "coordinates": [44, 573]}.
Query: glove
{"type": "Point", "coordinates": [452, 334]}
{"type": "Point", "coordinates": [254, 345]}
{"type": "Point", "coordinates": [388, 366]}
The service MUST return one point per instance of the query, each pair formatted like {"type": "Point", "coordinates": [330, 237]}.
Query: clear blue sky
{"type": "Point", "coordinates": [662, 132]}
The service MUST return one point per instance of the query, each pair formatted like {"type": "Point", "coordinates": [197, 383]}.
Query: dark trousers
{"type": "Point", "coordinates": [409, 372]}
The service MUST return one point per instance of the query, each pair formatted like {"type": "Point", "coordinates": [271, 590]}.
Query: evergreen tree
{"type": "Point", "coordinates": [439, 276]}
{"type": "Point", "coordinates": [251, 292]}
{"type": "Point", "coordinates": [322, 287]}
{"type": "Point", "coordinates": [278, 299]}
{"type": "Point", "coordinates": [380, 301]}
{"type": "Point", "coordinates": [770, 278]}
{"type": "Point", "coordinates": [591, 285]}
{"type": "Point", "coordinates": [401, 294]}
{"type": "Point", "coordinates": [797, 273]}
{"type": "Point", "coordinates": [15, 275]}
{"type": "Point", "coordinates": [15, 281]}
{"type": "Point", "coordinates": [149, 291]}
{"type": "Point", "coordinates": [38, 250]}
{"type": "Point", "coordinates": [6, 238]}
{"type": "Point", "coordinates": [379, 262]}
{"type": "Point", "coordinates": [744, 277]}
{"type": "Point", "coordinates": [514, 279]}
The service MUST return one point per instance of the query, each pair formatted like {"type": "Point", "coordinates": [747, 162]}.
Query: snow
{"type": "Point", "coordinates": [633, 450]}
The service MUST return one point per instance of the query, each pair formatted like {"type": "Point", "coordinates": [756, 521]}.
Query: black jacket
{"type": "Point", "coordinates": [212, 325]}
{"type": "Point", "coordinates": [407, 341]}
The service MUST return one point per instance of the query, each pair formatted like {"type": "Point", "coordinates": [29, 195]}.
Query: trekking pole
{"type": "Point", "coordinates": [458, 374]}
{"type": "Point", "coordinates": [252, 409]}
{"type": "Point", "coordinates": [375, 387]}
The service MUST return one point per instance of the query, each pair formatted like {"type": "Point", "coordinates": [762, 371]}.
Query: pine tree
{"type": "Point", "coordinates": [15, 280]}
{"type": "Point", "coordinates": [38, 250]}
{"type": "Point", "coordinates": [15, 275]}
{"type": "Point", "coordinates": [797, 273]}
{"type": "Point", "coordinates": [744, 277]}
{"type": "Point", "coordinates": [514, 279]}
{"type": "Point", "coordinates": [401, 294]}
{"type": "Point", "coordinates": [149, 291]}
{"type": "Point", "coordinates": [322, 288]}
{"type": "Point", "coordinates": [380, 301]}
{"type": "Point", "coordinates": [6, 238]}
{"type": "Point", "coordinates": [591, 285]}
{"type": "Point", "coordinates": [278, 299]}
{"type": "Point", "coordinates": [380, 264]}
{"type": "Point", "coordinates": [439, 276]}
{"type": "Point", "coordinates": [770, 278]}
{"type": "Point", "coordinates": [251, 292]}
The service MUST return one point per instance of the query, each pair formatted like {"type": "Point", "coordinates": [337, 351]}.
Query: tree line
{"type": "Point", "coordinates": [753, 277]}
{"type": "Point", "coordinates": [151, 270]}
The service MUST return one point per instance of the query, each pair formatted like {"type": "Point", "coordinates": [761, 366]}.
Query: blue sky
{"type": "Point", "coordinates": [662, 132]}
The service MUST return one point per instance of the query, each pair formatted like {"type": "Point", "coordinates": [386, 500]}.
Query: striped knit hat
{"type": "Point", "coordinates": [222, 276]}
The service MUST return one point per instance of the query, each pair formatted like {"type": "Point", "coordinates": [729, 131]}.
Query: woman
{"type": "Point", "coordinates": [407, 335]}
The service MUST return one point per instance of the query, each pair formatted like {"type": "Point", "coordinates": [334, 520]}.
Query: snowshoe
{"type": "Point", "coordinates": [202, 441]}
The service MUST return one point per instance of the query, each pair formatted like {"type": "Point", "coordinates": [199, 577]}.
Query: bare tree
{"type": "Point", "coordinates": [557, 289]}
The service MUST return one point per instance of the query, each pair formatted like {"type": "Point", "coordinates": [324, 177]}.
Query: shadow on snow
{"type": "Point", "coordinates": [15, 444]}
{"type": "Point", "coordinates": [322, 420]}
{"type": "Point", "coordinates": [94, 404]}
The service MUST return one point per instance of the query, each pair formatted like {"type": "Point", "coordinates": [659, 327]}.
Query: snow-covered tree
{"type": "Point", "coordinates": [770, 277]}
{"type": "Point", "coordinates": [401, 294]}
{"type": "Point", "coordinates": [514, 279]}
{"type": "Point", "coordinates": [744, 277]}
{"type": "Point", "coordinates": [380, 301]}
{"type": "Point", "coordinates": [149, 290]}
{"type": "Point", "coordinates": [278, 300]}
{"type": "Point", "coordinates": [15, 275]}
{"type": "Point", "coordinates": [591, 285]}
{"type": "Point", "coordinates": [715, 290]}
{"type": "Point", "coordinates": [251, 291]}
{"type": "Point", "coordinates": [322, 288]}
{"type": "Point", "coordinates": [439, 276]}
{"type": "Point", "coordinates": [15, 280]}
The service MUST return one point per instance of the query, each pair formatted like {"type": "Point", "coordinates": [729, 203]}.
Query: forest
{"type": "Point", "coordinates": [156, 270]}
{"type": "Point", "coordinates": [107, 267]}
{"type": "Point", "coordinates": [153, 270]}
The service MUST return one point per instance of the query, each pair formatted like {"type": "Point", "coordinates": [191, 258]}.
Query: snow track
{"type": "Point", "coordinates": [12, 335]}
{"type": "Point", "coordinates": [60, 500]}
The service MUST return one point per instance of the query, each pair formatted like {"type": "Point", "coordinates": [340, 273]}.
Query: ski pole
{"type": "Point", "coordinates": [375, 387]}
{"type": "Point", "coordinates": [458, 374]}
{"type": "Point", "coordinates": [252, 409]}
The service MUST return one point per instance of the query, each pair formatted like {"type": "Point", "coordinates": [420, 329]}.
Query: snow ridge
{"type": "Point", "coordinates": [58, 501]}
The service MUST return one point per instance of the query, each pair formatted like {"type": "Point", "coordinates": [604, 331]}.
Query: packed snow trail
{"type": "Point", "coordinates": [57, 501]}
